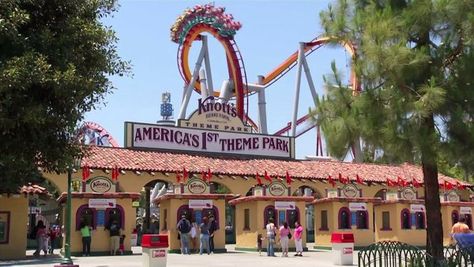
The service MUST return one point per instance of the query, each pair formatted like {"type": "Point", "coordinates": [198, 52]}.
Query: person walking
{"type": "Point", "coordinates": [270, 227]}
{"type": "Point", "coordinates": [298, 237]}
{"type": "Point", "coordinates": [114, 232]}
{"type": "Point", "coordinates": [212, 230]}
{"type": "Point", "coordinates": [41, 238]}
{"type": "Point", "coordinates": [284, 239]}
{"type": "Point", "coordinates": [86, 239]}
{"type": "Point", "coordinates": [184, 227]}
{"type": "Point", "coordinates": [204, 237]}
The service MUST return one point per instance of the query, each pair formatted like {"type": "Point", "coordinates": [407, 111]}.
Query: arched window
{"type": "Point", "coordinates": [344, 218]}
{"type": "Point", "coordinates": [87, 215]}
{"type": "Point", "coordinates": [468, 220]}
{"type": "Point", "coordinates": [186, 211]}
{"type": "Point", "coordinates": [420, 220]}
{"type": "Point", "coordinates": [362, 219]}
{"type": "Point", "coordinates": [268, 213]}
{"type": "Point", "coordinates": [293, 216]}
{"type": "Point", "coordinates": [405, 219]}
{"type": "Point", "coordinates": [454, 216]}
{"type": "Point", "coordinates": [115, 214]}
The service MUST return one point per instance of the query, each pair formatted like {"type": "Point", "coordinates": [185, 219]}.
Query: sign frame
{"type": "Point", "coordinates": [200, 204]}
{"type": "Point", "coordinates": [102, 203]}
{"type": "Point", "coordinates": [285, 205]}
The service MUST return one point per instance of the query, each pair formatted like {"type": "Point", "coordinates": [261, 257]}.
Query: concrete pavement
{"type": "Point", "coordinates": [230, 259]}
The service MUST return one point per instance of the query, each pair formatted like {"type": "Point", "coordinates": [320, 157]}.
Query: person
{"type": "Point", "coordinates": [86, 238]}
{"type": "Point", "coordinates": [259, 244]}
{"type": "Point", "coordinates": [194, 229]}
{"type": "Point", "coordinates": [270, 227]}
{"type": "Point", "coordinates": [114, 232]}
{"type": "Point", "coordinates": [122, 246]}
{"type": "Point", "coordinates": [212, 230]}
{"type": "Point", "coordinates": [284, 239]}
{"type": "Point", "coordinates": [184, 227]}
{"type": "Point", "coordinates": [460, 227]}
{"type": "Point", "coordinates": [298, 237]}
{"type": "Point", "coordinates": [52, 239]}
{"type": "Point", "coordinates": [204, 237]}
{"type": "Point", "coordinates": [41, 238]}
{"type": "Point", "coordinates": [139, 234]}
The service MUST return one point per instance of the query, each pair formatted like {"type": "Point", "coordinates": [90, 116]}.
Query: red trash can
{"type": "Point", "coordinates": [154, 250]}
{"type": "Point", "coordinates": [343, 248]}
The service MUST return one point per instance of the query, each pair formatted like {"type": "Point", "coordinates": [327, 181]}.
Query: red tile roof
{"type": "Point", "coordinates": [33, 189]}
{"type": "Point", "coordinates": [154, 161]}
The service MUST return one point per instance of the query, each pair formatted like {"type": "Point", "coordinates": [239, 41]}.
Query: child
{"type": "Point", "coordinates": [259, 244]}
{"type": "Point", "coordinates": [121, 247]}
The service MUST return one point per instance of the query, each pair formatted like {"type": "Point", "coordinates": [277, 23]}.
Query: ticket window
{"type": "Point", "coordinates": [186, 211]}
{"type": "Point", "coordinates": [454, 216]}
{"type": "Point", "coordinates": [268, 213]}
{"type": "Point", "coordinates": [115, 214]}
{"type": "Point", "coordinates": [85, 215]}
{"type": "Point", "coordinates": [420, 220]}
{"type": "Point", "coordinates": [468, 220]}
{"type": "Point", "coordinates": [405, 219]}
{"type": "Point", "coordinates": [288, 216]}
{"type": "Point", "coordinates": [197, 215]}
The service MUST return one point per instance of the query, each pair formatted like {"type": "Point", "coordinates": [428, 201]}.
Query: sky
{"type": "Point", "coordinates": [271, 31]}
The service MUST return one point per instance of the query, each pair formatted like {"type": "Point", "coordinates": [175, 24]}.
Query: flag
{"type": "Point", "coordinates": [460, 186]}
{"type": "Point", "coordinates": [359, 180]}
{"type": "Point", "coordinates": [402, 182]}
{"type": "Point", "coordinates": [115, 173]}
{"type": "Point", "coordinates": [259, 181]}
{"type": "Point", "coordinates": [209, 175]}
{"type": "Point", "coordinates": [178, 177]}
{"type": "Point", "coordinates": [204, 176]}
{"type": "Point", "coordinates": [267, 177]}
{"type": "Point", "coordinates": [185, 175]}
{"type": "Point", "coordinates": [86, 172]}
{"type": "Point", "coordinates": [447, 185]}
{"type": "Point", "coordinates": [391, 183]}
{"type": "Point", "coordinates": [415, 183]}
{"type": "Point", "coordinates": [288, 178]}
{"type": "Point", "coordinates": [331, 181]}
{"type": "Point", "coordinates": [343, 180]}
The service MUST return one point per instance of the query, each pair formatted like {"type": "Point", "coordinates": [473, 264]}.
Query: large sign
{"type": "Point", "coordinates": [196, 186]}
{"type": "Point", "coordinates": [408, 194]}
{"type": "Point", "coordinates": [102, 203]}
{"type": "Point", "coordinates": [100, 184]}
{"type": "Point", "coordinates": [465, 210]}
{"type": "Point", "coordinates": [213, 115]}
{"type": "Point", "coordinates": [277, 189]}
{"type": "Point", "coordinates": [169, 138]}
{"type": "Point", "coordinates": [417, 208]}
{"type": "Point", "coordinates": [452, 196]}
{"type": "Point", "coordinates": [285, 205]}
{"type": "Point", "coordinates": [200, 204]}
{"type": "Point", "coordinates": [350, 191]}
{"type": "Point", "coordinates": [357, 206]}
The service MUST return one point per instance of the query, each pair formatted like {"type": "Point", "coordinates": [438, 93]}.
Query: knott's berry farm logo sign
{"type": "Point", "coordinates": [350, 190]}
{"type": "Point", "coordinates": [408, 194]}
{"type": "Point", "coordinates": [277, 189]}
{"type": "Point", "coordinates": [213, 115]}
{"type": "Point", "coordinates": [99, 184]}
{"type": "Point", "coordinates": [170, 138]}
{"type": "Point", "coordinates": [197, 186]}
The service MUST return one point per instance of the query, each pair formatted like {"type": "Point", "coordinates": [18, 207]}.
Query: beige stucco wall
{"type": "Point", "coordinates": [17, 205]}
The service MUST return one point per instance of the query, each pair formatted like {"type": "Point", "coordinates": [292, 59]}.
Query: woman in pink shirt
{"type": "Point", "coordinates": [298, 239]}
{"type": "Point", "coordinates": [284, 232]}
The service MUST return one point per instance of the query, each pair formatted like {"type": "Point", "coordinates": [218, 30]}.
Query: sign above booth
{"type": "Point", "coordinates": [417, 208]}
{"type": "Point", "coordinates": [200, 204]}
{"type": "Point", "coordinates": [285, 205]}
{"type": "Point", "coordinates": [408, 194]}
{"type": "Point", "coordinates": [170, 138]}
{"type": "Point", "coordinates": [100, 184]}
{"type": "Point", "coordinates": [197, 186]}
{"type": "Point", "coordinates": [102, 203]}
{"type": "Point", "coordinates": [465, 210]}
{"type": "Point", "coordinates": [277, 189]}
{"type": "Point", "coordinates": [350, 190]}
{"type": "Point", "coordinates": [213, 115]}
{"type": "Point", "coordinates": [357, 206]}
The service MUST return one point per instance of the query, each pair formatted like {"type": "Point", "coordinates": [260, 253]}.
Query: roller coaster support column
{"type": "Point", "coordinates": [207, 63]}
{"type": "Point", "coordinates": [202, 80]}
{"type": "Point", "coordinates": [262, 110]}
{"type": "Point", "coordinates": [309, 78]}
{"type": "Point", "coordinates": [297, 89]}
{"type": "Point", "coordinates": [189, 88]}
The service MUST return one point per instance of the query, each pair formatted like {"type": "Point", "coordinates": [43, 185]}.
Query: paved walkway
{"type": "Point", "coordinates": [230, 259]}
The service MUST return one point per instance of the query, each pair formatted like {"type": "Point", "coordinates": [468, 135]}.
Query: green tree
{"type": "Point", "coordinates": [414, 59]}
{"type": "Point", "coordinates": [56, 57]}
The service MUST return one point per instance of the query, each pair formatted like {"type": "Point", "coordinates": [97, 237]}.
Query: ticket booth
{"type": "Point", "coordinates": [252, 214]}
{"type": "Point", "coordinates": [342, 214]}
{"type": "Point", "coordinates": [451, 212]}
{"type": "Point", "coordinates": [401, 220]}
{"type": "Point", "coordinates": [194, 207]}
{"type": "Point", "coordinates": [99, 210]}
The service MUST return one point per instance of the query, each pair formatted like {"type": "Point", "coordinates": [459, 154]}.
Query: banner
{"type": "Point", "coordinates": [465, 210]}
{"type": "Point", "coordinates": [357, 206]}
{"type": "Point", "coordinates": [417, 208]}
{"type": "Point", "coordinates": [200, 204]}
{"type": "Point", "coordinates": [285, 205]}
{"type": "Point", "coordinates": [102, 203]}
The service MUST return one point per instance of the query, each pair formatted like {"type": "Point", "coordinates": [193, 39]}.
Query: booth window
{"type": "Point", "coordinates": [420, 220]}
{"type": "Point", "coordinates": [86, 215]}
{"type": "Point", "coordinates": [324, 220]}
{"type": "Point", "coordinates": [4, 227]}
{"type": "Point", "coordinates": [454, 216]}
{"type": "Point", "coordinates": [386, 220]}
{"type": "Point", "coordinates": [268, 213]}
{"type": "Point", "coordinates": [186, 211]}
{"type": "Point", "coordinates": [246, 219]}
{"type": "Point", "coordinates": [468, 220]}
{"type": "Point", "coordinates": [362, 219]}
{"type": "Point", "coordinates": [405, 219]}
{"type": "Point", "coordinates": [115, 214]}
{"type": "Point", "coordinates": [344, 218]}
{"type": "Point", "coordinates": [292, 216]}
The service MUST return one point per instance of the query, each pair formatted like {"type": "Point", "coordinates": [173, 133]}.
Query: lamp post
{"type": "Point", "coordinates": [66, 260]}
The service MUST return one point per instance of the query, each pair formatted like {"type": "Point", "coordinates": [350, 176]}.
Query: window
{"type": "Point", "coordinates": [246, 219]}
{"type": "Point", "coordinates": [115, 214]}
{"type": "Point", "coordinates": [4, 227]}
{"type": "Point", "coordinates": [362, 219]}
{"type": "Point", "coordinates": [292, 216]}
{"type": "Point", "coordinates": [386, 220]}
{"type": "Point", "coordinates": [324, 220]}
{"type": "Point", "coordinates": [268, 213]}
{"type": "Point", "coordinates": [344, 218]}
{"type": "Point", "coordinates": [87, 215]}
{"type": "Point", "coordinates": [454, 216]}
{"type": "Point", "coordinates": [405, 219]}
{"type": "Point", "coordinates": [468, 220]}
{"type": "Point", "coordinates": [420, 220]}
